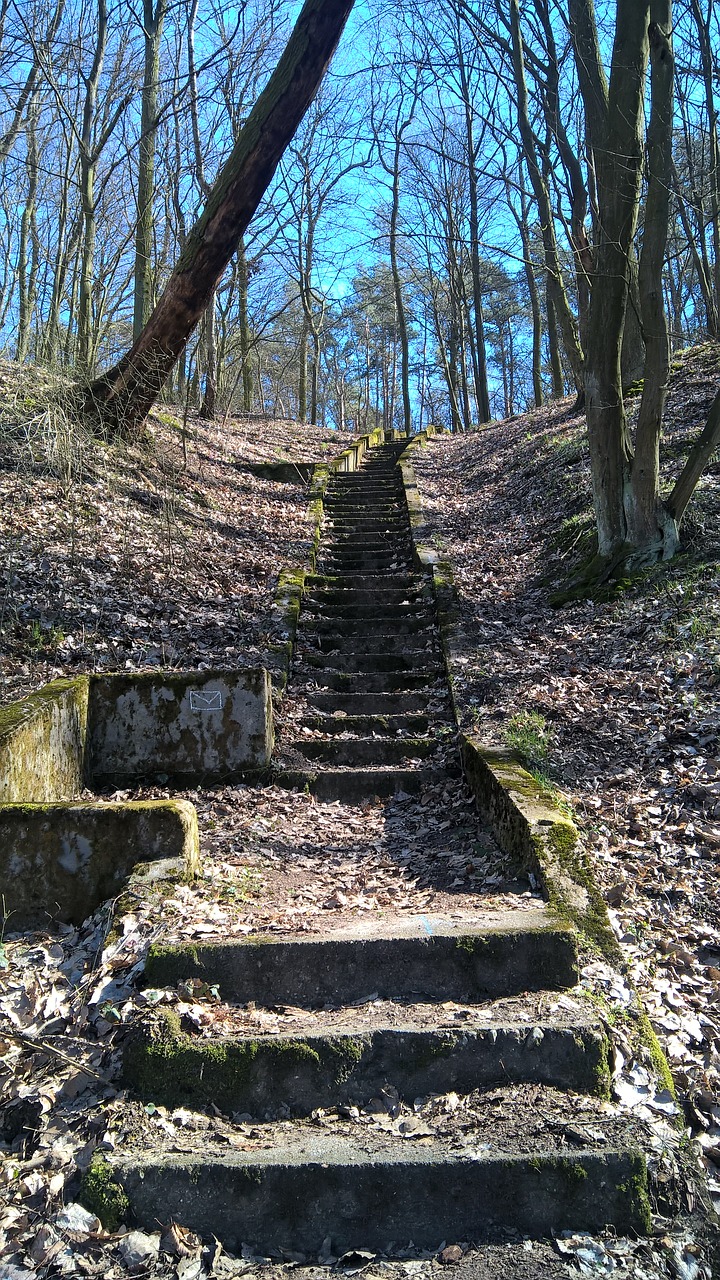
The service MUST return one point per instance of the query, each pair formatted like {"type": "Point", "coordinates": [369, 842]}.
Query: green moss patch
{"type": "Point", "coordinates": [103, 1196]}
{"type": "Point", "coordinates": [163, 1063]}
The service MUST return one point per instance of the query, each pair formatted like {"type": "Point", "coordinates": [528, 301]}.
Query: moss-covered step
{"type": "Point", "coordinates": [365, 751]}
{"type": "Point", "coordinates": [304, 1071]}
{"type": "Point", "coordinates": [42, 743]}
{"type": "Point", "coordinates": [292, 1195]}
{"type": "Point", "coordinates": [59, 861]}
{"type": "Point", "coordinates": [498, 953]}
{"type": "Point", "coordinates": [191, 726]}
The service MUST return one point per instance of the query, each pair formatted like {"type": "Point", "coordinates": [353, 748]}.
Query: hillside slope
{"type": "Point", "coordinates": [617, 703]}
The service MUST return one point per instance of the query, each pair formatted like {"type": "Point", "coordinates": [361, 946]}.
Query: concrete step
{"type": "Point", "coordinates": [337, 593]}
{"type": "Point", "coordinates": [367, 1192]}
{"type": "Point", "coordinates": [341, 660]}
{"type": "Point", "coordinates": [343, 539]}
{"type": "Point", "coordinates": [382, 563]}
{"type": "Point", "coordinates": [356, 786]}
{"type": "Point", "coordinates": [410, 724]}
{"type": "Point", "coordinates": [362, 501]}
{"type": "Point", "coordinates": [348, 580]}
{"type": "Point", "coordinates": [419, 630]}
{"type": "Point", "coordinates": [368, 524]}
{"type": "Point", "coordinates": [353, 1061]}
{"type": "Point", "coordinates": [356, 752]}
{"type": "Point", "coordinates": [359, 682]}
{"type": "Point", "coordinates": [380, 704]}
{"type": "Point", "coordinates": [414, 646]}
{"type": "Point", "coordinates": [497, 953]}
{"type": "Point", "coordinates": [400, 612]}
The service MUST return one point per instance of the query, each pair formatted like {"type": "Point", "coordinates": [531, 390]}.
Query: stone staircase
{"type": "Point", "coordinates": [440, 1082]}
{"type": "Point", "coordinates": [368, 674]}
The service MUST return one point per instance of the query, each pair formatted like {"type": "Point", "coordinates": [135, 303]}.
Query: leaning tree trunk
{"type": "Point", "coordinates": [120, 400]}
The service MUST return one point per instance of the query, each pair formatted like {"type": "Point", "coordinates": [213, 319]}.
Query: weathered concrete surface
{"type": "Point", "coordinates": [42, 742]}
{"type": "Point", "coordinates": [193, 726]}
{"type": "Point", "coordinates": [60, 861]}
{"type": "Point", "coordinates": [289, 1198]}
{"type": "Point", "coordinates": [532, 829]}
{"type": "Point", "coordinates": [502, 953]}
{"type": "Point", "coordinates": [303, 1072]}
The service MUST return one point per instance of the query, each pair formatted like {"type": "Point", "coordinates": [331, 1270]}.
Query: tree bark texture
{"type": "Point", "coordinates": [121, 399]}
{"type": "Point", "coordinates": [618, 149]}
{"type": "Point", "coordinates": [556, 287]}
{"type": "Point", "coordinates": [645, 523]}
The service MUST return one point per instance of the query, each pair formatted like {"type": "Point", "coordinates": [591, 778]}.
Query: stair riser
{"type": "Point", "coordinates": [419, 628]}
{"type": "Point", "coordinates": [357, 753]}
{"type": "Point", "coordinates": [266, 1073]}
{"type": "Point", "coordinates": [347, 580]}
{"type": "Point", "coordinates": [414, 651]}
{"type": "Point", "coordinates": [384, 682]}
{"type": "Point", "coordinates": [408, 724]}
{"type": "Point", "coordinates": [378, 565]}
{"type": "Point", "coordinates": [338, 971]}
{"type": "Point", "coordinates": [372, 1204]}
{"type": "Point", "coordinates": [367, 662]}
{"type": "Point", "coordinates": [370, 703]}
{"type": "Point", "coordinates": [356, 786]}
{"type": "Point", "coordinates": [383, 597]}
{"type": "Point", "coordinates": [390, 612]}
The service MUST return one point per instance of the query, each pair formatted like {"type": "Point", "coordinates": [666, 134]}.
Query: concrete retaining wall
{"type": "Point", "coordinates": [42, 743]}
{"type": "Point", "coordinates": [59, 861]}
{"type": "Point", "coordinates": [190, 726]}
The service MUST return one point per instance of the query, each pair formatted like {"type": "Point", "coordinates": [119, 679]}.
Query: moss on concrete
{"type": "Point", "coordinates": [102, 1195]}
{"type": "Point", "coordinates": [42, 743]}
{"type": "Point", "coordinates": [163, 1063]}
{"type": "Point", "coordinates": [192, 726]}
{"type": "Point", "coordinates": [61, 860]}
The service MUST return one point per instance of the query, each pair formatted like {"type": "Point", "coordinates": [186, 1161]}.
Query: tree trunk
{"type": "Point", "coordinates": [121, 399]}
{"type": "Point", "coordinates": [153, 19]}
{"type": "Point", "coordinates": [244, 327]}
{"type": "Point", "coordinates": [397, 282]}
{"type": "Point", "coordinates": [646, 524]}
{"type": "Point", "coordinates": [556, 369]}
{"type": "Point", "coordinates": [207, 408]}
{"type": "Point", "coordinates": [482, 394]}
{"type": "Point", "coordinates": [708, 63]}
{"type": "Point", "coordinates": [618, 148]}
{"type": "Point", "coordinates": [27, 248]}
{"type": "Point", "coordinates": [556, 287]}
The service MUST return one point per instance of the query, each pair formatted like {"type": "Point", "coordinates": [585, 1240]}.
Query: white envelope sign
{"type": "Point", "coordinates": [206, 700]}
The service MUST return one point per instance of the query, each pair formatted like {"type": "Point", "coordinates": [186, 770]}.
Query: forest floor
{"type": "Point", "coordinates": [166, 553]}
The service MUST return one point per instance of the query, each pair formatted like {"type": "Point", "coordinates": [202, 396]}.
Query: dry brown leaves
{"type": "Point", "coordinates": [163, 553]}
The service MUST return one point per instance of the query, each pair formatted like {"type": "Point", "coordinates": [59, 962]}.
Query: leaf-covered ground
{"type": "Point", "coordinates": [163, 553]}
{"type": "Point", "coordinates": [627, 692]}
